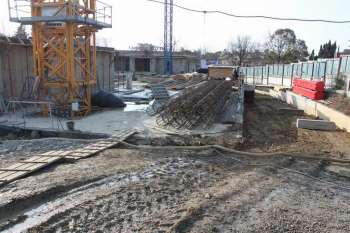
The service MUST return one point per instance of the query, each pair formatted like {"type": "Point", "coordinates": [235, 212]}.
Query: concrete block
{"type": "Point", "coordinates": [314, 108]}
{"type": "Point", "coordinates": [316, 124]}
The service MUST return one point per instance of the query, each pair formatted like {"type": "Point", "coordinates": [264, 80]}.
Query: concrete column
{"type": "Point", "coordinates": [132, 64]}
{"type": "Point", "coordinates": [153, 65]}
{"type": "Point", "coordinates": [129, 77]}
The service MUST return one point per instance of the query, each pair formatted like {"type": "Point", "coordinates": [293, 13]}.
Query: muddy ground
{"type": "Point", "coordinates": [125, 190]}
{"type": "Point", "coordinates": [269, 130]}
{"type": "Point", "coordinates": [338, 102]}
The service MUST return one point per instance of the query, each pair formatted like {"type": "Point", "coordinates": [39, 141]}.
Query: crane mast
{"type": "Point", "coordinates": [64, 48]}
{"type": "Point", "coordinates": [168, 37]}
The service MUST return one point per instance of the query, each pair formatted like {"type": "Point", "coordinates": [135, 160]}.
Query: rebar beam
{"type": "Point", "coordinates": [197, 106]}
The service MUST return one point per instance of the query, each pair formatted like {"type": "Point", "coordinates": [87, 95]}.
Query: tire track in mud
{"type": "Point", "coordinates": [9, 212]}
{"type": "Point", "coordinates": [98, 190]}
{"type": "Point", "coordinates": [229, 200]}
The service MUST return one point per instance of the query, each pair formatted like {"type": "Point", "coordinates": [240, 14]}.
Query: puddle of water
{"type": "Point", "coordinates": [132, 107]}
{"type": "Point", "coordinates": [102, 187]}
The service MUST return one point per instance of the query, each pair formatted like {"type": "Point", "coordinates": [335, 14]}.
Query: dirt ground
{"type": "Point", "coordinates": [338, 102]}
{"type": "Point", "coordinates": [130, 190]}
{"type": "Point", "coordinates": [268, 130]}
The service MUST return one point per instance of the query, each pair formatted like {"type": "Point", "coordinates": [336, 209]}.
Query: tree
{"type": "Point", "coordinates": [328, 50]}
{"type": "Point", "coordinates": [299, 51]}
{"type": "Point", "coordinates": [240, 48]}
{"type": "Point", "coordinates": [284, 47]}
{"type": "Point", "coordinates": [21, 32]}
{"type": "Point", "coordinates": [312, 55]}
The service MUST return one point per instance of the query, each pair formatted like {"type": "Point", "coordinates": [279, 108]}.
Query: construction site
{"type": "Point", "coordinates": [95, 139]}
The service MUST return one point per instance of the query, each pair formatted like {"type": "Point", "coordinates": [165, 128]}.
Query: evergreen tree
{"type": "Point", "coordinates": [321, 52]}
{"type": "Point", "coordinates": [312, 56]}
{"type": "Point", "coordinates": [328, 50]}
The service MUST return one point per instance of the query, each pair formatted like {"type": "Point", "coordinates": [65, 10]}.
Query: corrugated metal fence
{"type": "Point", "coordinates": [327, 70]}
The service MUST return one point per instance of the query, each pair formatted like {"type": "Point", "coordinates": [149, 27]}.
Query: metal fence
{"type": "Point", "coordinates": [328, 70]}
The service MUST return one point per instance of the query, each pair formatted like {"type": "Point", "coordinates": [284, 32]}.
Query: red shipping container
{"type": "Point", "coordinates": [314, 95]}
{"type": "Point", "coordinates": [308, 84]}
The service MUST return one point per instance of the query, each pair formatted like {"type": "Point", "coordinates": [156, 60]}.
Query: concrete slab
{"type": "Point", "coordinates": [316, 124]}
{"type": "Point", "coordinates": [105, 122]}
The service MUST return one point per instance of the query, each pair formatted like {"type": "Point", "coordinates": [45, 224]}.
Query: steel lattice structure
{"type": "Point", "coordinates": [168, 36]}
{"type": "Point", "coordinates": [196, 106]}
{"type": "Point", "coordinates": [64, 48]}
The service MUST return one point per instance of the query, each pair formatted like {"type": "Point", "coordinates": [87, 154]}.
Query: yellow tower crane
{"type": "Point", "coordinates": [64, 48]}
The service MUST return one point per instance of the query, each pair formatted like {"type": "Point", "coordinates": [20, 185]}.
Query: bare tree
{"type": "Point", "coordinates": [239, 49]}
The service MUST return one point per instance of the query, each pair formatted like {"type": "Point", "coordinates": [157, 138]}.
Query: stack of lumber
{"type": "Point", "coordinates": [308, 88]}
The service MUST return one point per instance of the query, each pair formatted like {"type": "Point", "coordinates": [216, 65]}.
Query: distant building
{"type": "Point", "coordinates": [345, 52]}
{"type": "Point", "coordinates": [152, 62]}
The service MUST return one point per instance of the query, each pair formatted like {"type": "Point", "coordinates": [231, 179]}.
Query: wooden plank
{"type": "Point", "coordinates": [21, 166]}
{"type": "Point", "coordinates": [11, 176]}
{"type": "Point", "coordinates": [3, 175]}
{"type": "Point", "coordinates": [103, 143]}
{"type": "Point", "coordinates": [35, 163]}
{"type": "Point", "coordinates": [31, 162]}
{"type": "Point", "coordinates": [41, 159]}
{"type": "Point", "coordinates": [95, 148]}
{"type": "Point", "coordinates": [49, 152]}
{"type": "Point", "coordinates": [14, 170]}
{"type": "Point", "coordinates": [17, 166]}
{"type": "Point", "coordinates": [35, 159]}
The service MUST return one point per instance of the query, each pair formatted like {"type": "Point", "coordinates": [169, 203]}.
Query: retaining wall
{"type": "Point", "coordinates": [313, 108]}
{"type": "Point", "coordinates": [16, 65]}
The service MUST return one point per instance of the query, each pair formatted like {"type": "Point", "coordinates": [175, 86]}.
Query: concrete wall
{"type": "Point", "coordinates": [105, 70]}
{"type": "Point", "coordinates": [314, 108]}
{"type": "Point", "coordinates": [181, 63]}
{"type": "Point", "coordinates": [16, 65]}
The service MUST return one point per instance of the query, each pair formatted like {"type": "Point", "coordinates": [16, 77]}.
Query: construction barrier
{"type": "Point", "coordinates": [308, 88]}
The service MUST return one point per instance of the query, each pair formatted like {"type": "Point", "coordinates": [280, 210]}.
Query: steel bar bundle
{"type": "Point", "coordinates": [197, 106]}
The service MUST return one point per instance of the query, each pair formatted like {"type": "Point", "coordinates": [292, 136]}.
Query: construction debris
{"type": "Point", "coordinates": [197, 106]}
{"type": "Point", "coordinates": [316, 124]}
{"type": "Point", "coordinates": [161, 97]}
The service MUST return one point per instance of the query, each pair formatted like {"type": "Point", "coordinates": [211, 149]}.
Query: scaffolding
{"type": "Point", "coordinates": [64, 48]}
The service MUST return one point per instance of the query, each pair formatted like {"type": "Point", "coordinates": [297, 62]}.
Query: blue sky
{"type": "Point", "coordinates": [137, 21]}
